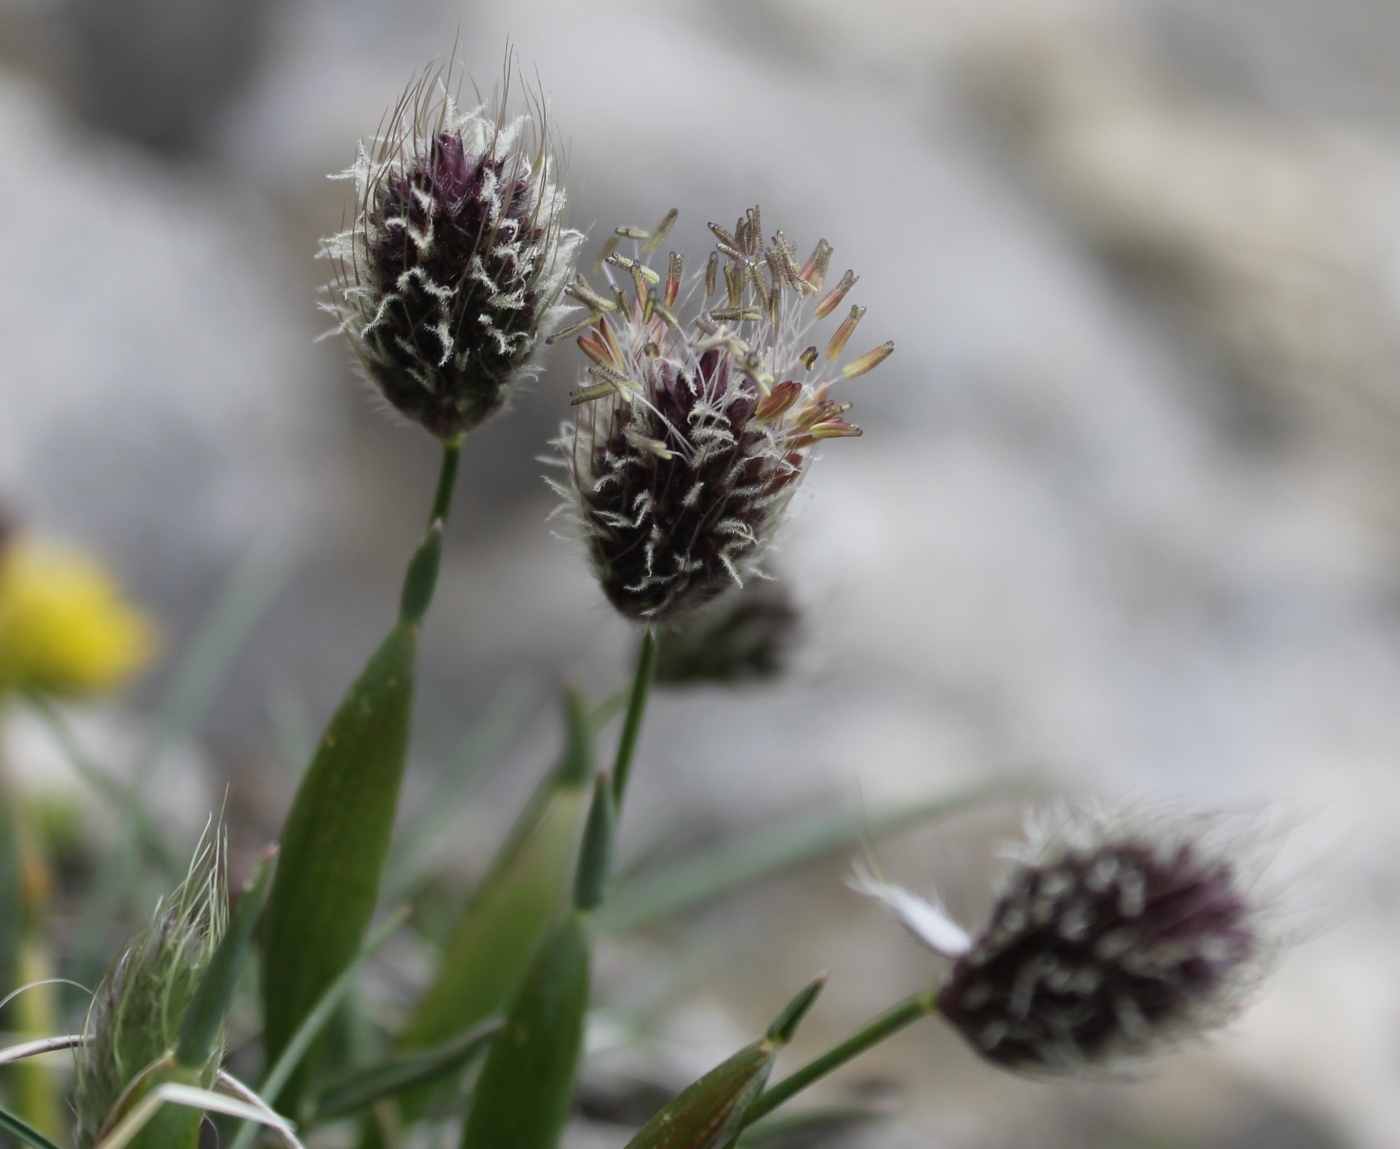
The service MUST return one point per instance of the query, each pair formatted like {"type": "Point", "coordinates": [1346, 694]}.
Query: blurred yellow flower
{"type": "Point", "coordinates": [64, 626]}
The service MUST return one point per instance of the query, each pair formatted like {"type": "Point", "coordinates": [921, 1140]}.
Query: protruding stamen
{"type": "Point", "coordinates": [643, 443]}
{"type": "Point", "coordinates": [755, 236]}
{"type": "Point", "coordinates": [834, 297]}
{"type": "Point", "coordinates": [869, 361]}
{"type": "Point", "coordinates": [737, 314]}
{"type": "Point", "coordinates": [639, 271]}
{"type": "Point", "coordinates": [835, 429]}
{"type": "Point", "coordinates": [653, 245]}
{"type": "Point", "coordinates": [844, 333]}
{"type": "Point", "coordinates": [606, 331]}
{"type": "Point", "coordinates": [594, 348]}
{"type": "Point", "coordinates": [724, 237]}
{"type": "Point", "coordinates": [734, 283]}
{"type": "Point", "coordinates": [711, 274]}
{"type": "Point", "coordinates": [590, 393]}
{"type": "Point", "coordinates": [668, 316]}
{"type": "Point", "coordinates": [673, 278]}
{"type": "Point", "coordinates": [778, 401]}
{"type": "Point", "coordinates": [809, 357]}
{"type": "Point", "coordinates": [632, 233]}
{"type": "Point", "coordinates": [608, 249]}
{"type": "Point", "coordinates": [586, 322]}
{"type": "Point", "coordinates": [814, 271]}
{"type": "Point", "coordinates": [580, 290]}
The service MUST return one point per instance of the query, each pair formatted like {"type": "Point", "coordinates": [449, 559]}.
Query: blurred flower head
{"type": "Point", "coordinates": [1115, 937]}
{"type": "Point", "coordinates": [746, 636]}
{"type": "Point", "coordinates": [135, 1015]}
{"type": "Point", "coordinates": [64, 626]}
{"type": "Point", "coordinates": [450, 274]}
{"type": "Point", "coordinates": [703, 404]}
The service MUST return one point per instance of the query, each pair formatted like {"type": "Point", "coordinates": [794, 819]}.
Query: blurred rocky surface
{"type": "Point", "coordinates": [1063, 541]}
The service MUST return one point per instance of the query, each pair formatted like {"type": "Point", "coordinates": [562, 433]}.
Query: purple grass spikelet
{"type": "Point", "coordinates": [702, 406]}
{"type": "Point", "coordinates": [450, 274]}
{"type": "Point", "coordinates": [1114, 938]}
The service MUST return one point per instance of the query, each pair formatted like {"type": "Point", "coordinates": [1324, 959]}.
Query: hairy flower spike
{"type": "Point", "coordinates": [697, 422]}
{"type": "Point", "coordinates": [135, 1015]}
{"type": "Point", "coordinates": [451, 273]}
{"type": "Point", "coordinates": [1114, 939]}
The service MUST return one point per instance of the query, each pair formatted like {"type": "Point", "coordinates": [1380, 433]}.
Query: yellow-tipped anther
{"type": "Point", "coordinates": [834, 297]}
{"type": "Point", "coordinates": [844, 333]}
{"type": "Point", "coordinates": [869, 361]}
{"type": "Point", "coordinates": [658, 237]}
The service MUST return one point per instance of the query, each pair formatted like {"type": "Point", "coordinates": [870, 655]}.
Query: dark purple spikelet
{"type": "Point", "coordinates": [746, 636]}
{"type": "Point", "coordinates": [451, 272]}
{"type": "Point", "coordinates": [693, 433]}
{"type": "Point", "coordinates": [1104, 952]}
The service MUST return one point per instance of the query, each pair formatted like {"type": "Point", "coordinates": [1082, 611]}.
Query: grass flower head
{"type": "Point", "coordinates": [450, 274]}
{"type": "Point", "coordinates": [703, 404]}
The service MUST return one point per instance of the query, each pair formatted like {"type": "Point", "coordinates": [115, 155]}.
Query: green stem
{"type": "Point", "coordinates": [636, 708]}
{"type": "Point", "coordinates": [447, 480]}
{"type": "Point", "coordinates": [421, 580]}
{"type": "Point", "coordinates": [887, 1024]}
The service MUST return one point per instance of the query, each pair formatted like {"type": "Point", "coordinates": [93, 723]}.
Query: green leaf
{"type": "Point", "coordinates": [751, 857]}
{"type": "Point", "coordinates": [505, 918]}
{"type": "Point", "coordinates": [11, 900]}
{"type": "Point", "coordinates": [523, 1096]}
{"type": "Point", "coordinates": [595, 855]}
{"type": "Point", "coordinates": [359, 1088]}
{"type": "Point", "coordinates": [316, 1020]}
{"type": "Point", "coordinates": [18, 1127]}
{"type": "Point", "coordinates": [334, 843]}
{"type": "Point", "coordinates": [709, 1113]}
{"type": "Point", "coordinates": [204, 1017]}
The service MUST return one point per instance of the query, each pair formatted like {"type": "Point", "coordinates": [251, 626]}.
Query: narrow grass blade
{"type": "Point", "coordinates": [523, 1096]}
{"type": "Point", "coordinates": [26, 1133]}
{"type": "Point", "coordinates": [137, 1122]}
{"type": "Point", "coordinates": [712, 873]}
{"type": "Point", "coordinates": [710, 1113]}
{"type": "Point", "coordinates": [503, 921]}
{"type": "Point", "coordinates": [335, 840]}
{"type": "Point", "coordinates": [242, 602]}
{"type": "Point", "coordinates": [362, 1087]}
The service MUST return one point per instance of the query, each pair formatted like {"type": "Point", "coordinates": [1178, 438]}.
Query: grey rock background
{"type": "Point", "coordinates": [1124, 511]}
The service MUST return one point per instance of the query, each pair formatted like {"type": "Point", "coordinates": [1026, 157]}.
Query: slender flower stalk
{"type": "Point", "coordinates": [886, 1025]}
{"type": "Point", "coordinates": [700, 412]}
{"type": "Point", "coordinates": [636, 709]}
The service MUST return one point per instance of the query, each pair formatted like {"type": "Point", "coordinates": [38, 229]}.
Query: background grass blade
{"type": "Point", "coordinates": [359, 1088]}
{"type": "Point", "coordinates": [504, 921]}
{"type": "Point", "coordinates": [242, 602]}
{"type": "Point", "coordinates": [25, 1132]}
{"type": "Point", "coordinates": [731, 865]}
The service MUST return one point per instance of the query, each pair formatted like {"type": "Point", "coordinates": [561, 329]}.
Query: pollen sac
{"type": "Point", "coordinates": [1102, 954]}
{"type": "Point", "coordinates": [452, 271]}
{"type": "Point", "coordinates": [696, 423]}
